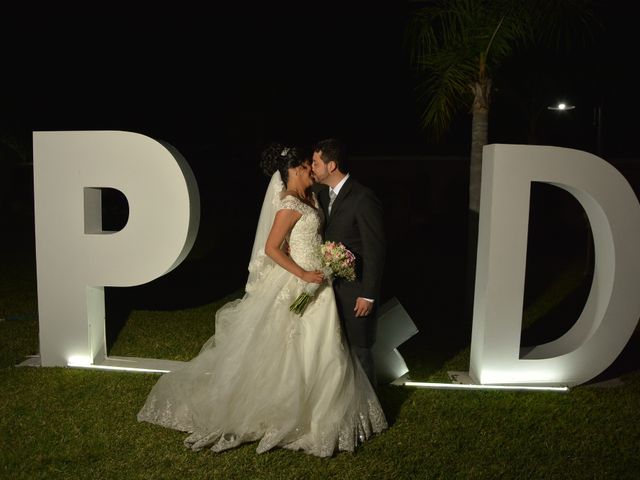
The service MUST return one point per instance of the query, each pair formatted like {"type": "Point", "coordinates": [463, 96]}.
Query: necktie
{"type": "Point", "coordinates": [332, 197]}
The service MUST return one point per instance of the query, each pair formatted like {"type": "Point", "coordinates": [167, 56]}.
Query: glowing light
{"type": "Point", "coordinates": [85, 362]}
{"type": "Point", "coordinates": [111, 367]}
{"type": "Point", "coordinates": [561, 106]}
{"type": "Point", "coordinates": [77, 360]}
{"type": "Point", "coordinates": [460, 386]}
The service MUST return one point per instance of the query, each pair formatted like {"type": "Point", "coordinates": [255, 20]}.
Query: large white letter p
{"type": "Point", "coordinates": [75, 257]}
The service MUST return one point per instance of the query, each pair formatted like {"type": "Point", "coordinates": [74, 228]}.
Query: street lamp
{"type": "Point", "coordinates": [597, 121]}
{"type": "Point", "coordinates": [561, 106]}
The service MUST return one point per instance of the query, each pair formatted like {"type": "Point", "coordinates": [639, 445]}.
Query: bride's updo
{"type": "Point", "coordinates": [277, 156]}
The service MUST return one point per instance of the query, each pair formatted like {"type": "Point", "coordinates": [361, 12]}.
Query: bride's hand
{"type": "Point", "coordinates": [315, 276]}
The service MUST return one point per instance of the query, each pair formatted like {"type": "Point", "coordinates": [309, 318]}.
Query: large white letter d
{"type": "Point", "coordinates": [613, 307]}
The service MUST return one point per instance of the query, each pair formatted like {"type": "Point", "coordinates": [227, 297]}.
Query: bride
{"type": "Point", "coordinates": [269, 374]}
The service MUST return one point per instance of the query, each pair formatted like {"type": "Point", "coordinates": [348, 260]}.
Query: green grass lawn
{"type": "Point", "coordinates": [62, 423]}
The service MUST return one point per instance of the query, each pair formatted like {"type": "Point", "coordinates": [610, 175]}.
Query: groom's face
{"type": "Point", "coordinates": [320, 170]}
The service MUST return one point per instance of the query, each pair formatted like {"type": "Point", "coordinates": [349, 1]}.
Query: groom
{"type": "Point", "coordinates": [354, 217]}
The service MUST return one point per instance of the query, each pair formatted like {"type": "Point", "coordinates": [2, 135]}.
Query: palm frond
{"type": "Point", "coordinates": [445, 89]}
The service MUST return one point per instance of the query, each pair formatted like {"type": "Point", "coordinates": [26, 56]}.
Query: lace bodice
{"type": "Point", "coordinates": [305, 237]}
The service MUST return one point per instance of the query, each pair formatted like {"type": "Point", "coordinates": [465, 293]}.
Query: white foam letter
{"type": "Point", "coordinates": [613, 306]}
{"type": "Point", "coordinates": [75, 257]}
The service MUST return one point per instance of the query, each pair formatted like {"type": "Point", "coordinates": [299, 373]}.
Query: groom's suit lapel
{"type": "Point", "coordinates": [323, 199]}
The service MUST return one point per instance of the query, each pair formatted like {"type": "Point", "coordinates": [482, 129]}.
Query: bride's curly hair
{"type": "Point", "coordinates": [278, 156]}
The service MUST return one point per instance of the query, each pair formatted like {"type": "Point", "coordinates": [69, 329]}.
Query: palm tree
{"type": "Point", "coordinates": [457, 45]}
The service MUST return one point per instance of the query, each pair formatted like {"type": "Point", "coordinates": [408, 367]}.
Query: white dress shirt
{"type": "Point", "coordinates": [340, 184]}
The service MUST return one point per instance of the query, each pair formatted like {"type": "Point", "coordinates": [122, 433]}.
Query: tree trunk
{"type": "Point", "coordinates": [479, 138]}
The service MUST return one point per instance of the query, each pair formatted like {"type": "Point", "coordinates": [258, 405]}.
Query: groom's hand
{"type": "Point", "coordinates": [363, 307]}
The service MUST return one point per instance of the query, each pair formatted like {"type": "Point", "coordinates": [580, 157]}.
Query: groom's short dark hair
{"type": "Point", "coordinates": [333, 149]}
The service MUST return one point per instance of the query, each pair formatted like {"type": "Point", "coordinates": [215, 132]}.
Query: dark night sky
{"type": "Point", "coordinates": [238, 80]}
{"type": "Point", "coordinates": [224, 79]}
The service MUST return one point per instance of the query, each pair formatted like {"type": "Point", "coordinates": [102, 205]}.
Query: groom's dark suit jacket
{"type": "Point", "coordinates": [356, 221]}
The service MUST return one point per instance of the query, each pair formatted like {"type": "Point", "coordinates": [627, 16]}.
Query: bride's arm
{"type": "Point", "coordinates": [282, 224]}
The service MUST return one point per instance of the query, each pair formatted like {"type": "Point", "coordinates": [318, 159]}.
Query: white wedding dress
{"type": "Point", "coordinates": [271, 375]}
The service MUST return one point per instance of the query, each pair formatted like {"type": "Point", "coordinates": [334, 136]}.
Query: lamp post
{"type": "Point", "coordinates": [597, 121]}
{"type": "Point", "coordinates": [566, 119]}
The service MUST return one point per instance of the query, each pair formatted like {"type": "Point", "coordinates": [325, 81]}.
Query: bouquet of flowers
{"type": "Point", "coordinates": [337, 261]}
